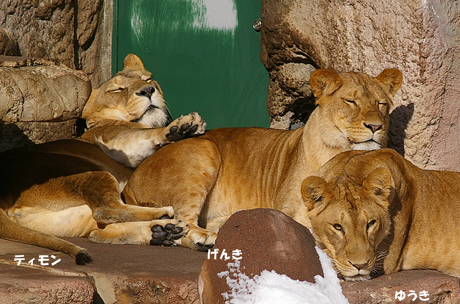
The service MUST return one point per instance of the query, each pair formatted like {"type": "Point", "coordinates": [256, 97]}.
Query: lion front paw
{"type": "Point", "coordinates": [186, 126]}
{"type": "Point", "coordinates": [166, 235]}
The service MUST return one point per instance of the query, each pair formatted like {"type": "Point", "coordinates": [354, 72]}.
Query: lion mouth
{"type": "Point", "coordinates": [357, 278]}
{"type": "Point", "coordinates": [368, 145]}
{"type": "Point", "coordinates": [355, 142]}
{"type": "Point", "coordinates": [155, 116]}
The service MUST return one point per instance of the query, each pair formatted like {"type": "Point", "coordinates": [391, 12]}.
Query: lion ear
{"type": "Point", "coordinates": [392, 80]}
{"type": "Point", "coordinates": [325, 82]}
{"type": "Point", "coordinates": [133, 62]}
{"type": "Point", "coordinates": [379, 184]}
{"type": "Point", "coordinates": [314, 190]}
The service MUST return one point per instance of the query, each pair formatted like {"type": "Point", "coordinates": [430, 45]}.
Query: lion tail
{"type": "Point", "coordinates": [11, 230]}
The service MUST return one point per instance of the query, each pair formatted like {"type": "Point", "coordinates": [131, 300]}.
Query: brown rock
{"type": "Point", "coordinates": [36, 285]}
{"type": "Point", "coordinates": [122, 274]}
{"type": "Point", "coordinates": [8, 46]}
{"type": "Point", "coordinates": [421, 38]}
{"type": "Point", "coordinates": [75, 32]}
{"type": "Point", "coordinates": [39, 102]}
{"type": "Point", "coordinates": [268, 240]}
{"type": "Point", "coordinates": [42, 93]}
{"type": "Point", "coordinates": [409, 286]}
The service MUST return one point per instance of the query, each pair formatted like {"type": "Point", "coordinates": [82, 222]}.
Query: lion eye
{"type": "Point", "coordinates": [338, 227]}
{"type": "Point", "coordinates": [350, 101]}
{"type": "Point", "coordinates": [371, 223]}
{"type": "Point", "coordinates": [147, 79]}
{"type": "Point", "coordinates": [382, 106]}
{"type": "Point", "coordinates": [116, 90]}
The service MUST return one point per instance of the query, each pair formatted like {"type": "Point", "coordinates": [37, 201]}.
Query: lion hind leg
{"type": "Point", "coordinates": [185, 183]}
{"type": "Point", "coordinates": [99, 190]}
{"type": "Point", "coordinates": [15, 232]}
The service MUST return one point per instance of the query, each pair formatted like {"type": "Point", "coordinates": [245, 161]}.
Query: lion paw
{"type": "Point", "coordinates": [166, 235]}
{"type": "Point", "coordinates": [201, 239]}
{"type": "Point", "coordinates": [186, 126]}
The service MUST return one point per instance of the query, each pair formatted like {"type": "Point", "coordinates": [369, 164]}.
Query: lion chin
{"type": "Point", "coordinates": [155, 117]}
{"type": "Point", "coordinates": [367, 145]}
{"type": "Point", "coordinates": [355, 278]}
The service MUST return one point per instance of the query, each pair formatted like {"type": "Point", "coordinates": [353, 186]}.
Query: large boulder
{"type": "Point", "coordinates": [421, 38]}
{"type": "Point", "coordinates": [266, 239]}
{"type": "Point", "coordinates": [40, 101]}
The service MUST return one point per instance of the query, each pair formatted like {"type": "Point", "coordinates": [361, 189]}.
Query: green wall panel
{"type": "Point", "coordinates": [204, 54]}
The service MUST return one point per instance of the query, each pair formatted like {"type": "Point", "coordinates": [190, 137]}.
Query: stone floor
{"type": "Point", "coordinates": [118, 274]}
{"type": "Point", "coordinates": [147, 274]}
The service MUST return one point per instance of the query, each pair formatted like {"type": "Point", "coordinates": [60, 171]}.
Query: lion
{"type": "Point", "coordinates": [210, 177]}
{"type": "Point", "coordinates": [71, 188]}
{"type": "Point", "coordinates": [374, 212]}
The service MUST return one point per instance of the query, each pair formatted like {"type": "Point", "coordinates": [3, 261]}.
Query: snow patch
{"type": "Point", "coordinates": [273, 288]}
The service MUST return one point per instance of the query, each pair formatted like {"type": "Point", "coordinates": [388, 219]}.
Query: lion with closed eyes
{"type": "Point", "coordinates": [210, 177]}
{"type": "Point", "coordinates": [72, 187]}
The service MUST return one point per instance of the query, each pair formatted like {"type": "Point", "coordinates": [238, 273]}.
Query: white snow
{"type": "Point", "coordinates": [272, 288]}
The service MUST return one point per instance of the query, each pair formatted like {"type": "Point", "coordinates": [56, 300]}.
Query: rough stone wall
{"type": "Point", "coordinates": [64, 48]}
{"type": "Point", "coordinates": [39, 101]}
{"type": "Point", "coordinates": [68, 30]}
{"type": "Point", "coordinates": [420, 37]}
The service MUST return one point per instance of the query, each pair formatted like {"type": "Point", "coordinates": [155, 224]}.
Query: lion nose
{"type": "Point", "coordinates": [373, 127]}
{"type": "Point", "coordinates": [359, 266]}
{"type": "Point", "coordinates": [146, 91]}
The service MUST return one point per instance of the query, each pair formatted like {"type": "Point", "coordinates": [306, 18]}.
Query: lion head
{"type": "Point", "coordinates": [355, 107]}
{"type": "Point", "coordinates": [349, 219]}
{"type": "Point", "coordinates": [130, 96]}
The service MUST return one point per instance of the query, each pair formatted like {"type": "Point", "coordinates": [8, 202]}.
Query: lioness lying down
{"type": "Point", "coordinates": [71, 188]}
{"type": "Point", "coordinates": [371, 206]}
{"type": "Point", "coordinates": [210, 177]}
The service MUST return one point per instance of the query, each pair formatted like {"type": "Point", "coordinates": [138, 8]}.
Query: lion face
{"type": "Point", "coordinates": [349, 220]}
{"type": "Point", "coordinates": [130, 96]}
{"type": "Point", "coordinates": [356, 107]}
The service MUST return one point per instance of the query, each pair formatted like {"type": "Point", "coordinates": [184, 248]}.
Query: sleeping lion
{"type": "Point", "coordinates": [210, 177]}
{"type": "Point", "coordinates": [72, 188]}
{"type": "Point", "coordinates": [367, 207]}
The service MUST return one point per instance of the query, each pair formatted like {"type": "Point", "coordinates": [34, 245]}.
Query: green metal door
{"type": "Point", "coordinates": [204, 54]}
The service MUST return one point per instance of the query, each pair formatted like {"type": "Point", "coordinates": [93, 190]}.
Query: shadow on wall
{"type": "Point", "coordinates": [11, 136]}
{"type": "Point", "coordinates": [399, 119]}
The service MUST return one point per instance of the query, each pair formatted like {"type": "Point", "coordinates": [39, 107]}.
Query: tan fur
{"type": "Point", "coordinates": [208, 178]}
{"type": "Point", "coordinates": [72, 188]}
{"type": "Point", "coordinates": [379, 212]}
